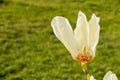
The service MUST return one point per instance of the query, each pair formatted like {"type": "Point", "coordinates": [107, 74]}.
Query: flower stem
{"type": "Point", "coordinates": [84, 67]}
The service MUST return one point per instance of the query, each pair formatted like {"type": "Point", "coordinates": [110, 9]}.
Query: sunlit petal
{"type": "Point", "coordinates": [64, 33]}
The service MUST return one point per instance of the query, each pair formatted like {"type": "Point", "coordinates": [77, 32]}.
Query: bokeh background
{"type": "Point", "coordinates": [29, 49]}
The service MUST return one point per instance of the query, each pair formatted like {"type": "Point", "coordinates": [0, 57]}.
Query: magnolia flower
{"type": "Point", "coordinates": [110, 76]}
{"type": "Point", "coordinates": [82, 42]}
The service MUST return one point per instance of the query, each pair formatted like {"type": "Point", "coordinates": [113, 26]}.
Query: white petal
{"type": "Point", "coordinates": [92, 78]}
{"type": "Point", "coordinates": [110, 76]}
{"type": "Point", "coordinates": [94, 32]}
{"type": "Point", "coordinates": [82, 30]}
{"type": "Point", "coordinates": [64, 33]}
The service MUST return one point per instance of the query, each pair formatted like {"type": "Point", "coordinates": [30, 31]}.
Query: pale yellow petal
{"type": "Point", "coordinates": [92, 78]}
{"type": "Point", "coordinates": [110, 76]}
{"type": "Point", "coordinates": [94, 29]}
{"type": "Point", "coordinates": [63, 31]}
{"type": "Point", "coordinates": [81, 31]}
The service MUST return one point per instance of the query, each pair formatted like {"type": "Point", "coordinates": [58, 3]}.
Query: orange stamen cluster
{"type": "Point", "coordinates": [84, 57]}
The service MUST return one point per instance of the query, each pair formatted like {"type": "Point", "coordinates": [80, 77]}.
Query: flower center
{"type": "Point", "coordinates": [84, 57]}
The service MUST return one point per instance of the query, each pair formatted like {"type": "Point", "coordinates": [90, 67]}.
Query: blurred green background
{"type": "Point", "coordinates": [29, 49]}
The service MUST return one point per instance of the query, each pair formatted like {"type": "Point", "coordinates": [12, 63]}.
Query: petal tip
{"type": "Point", "coordinates": [57, 18]}
{"type": "Point", "coordinates": [81, 13]}
{"type": "Point", "coordinates": [96, 18]}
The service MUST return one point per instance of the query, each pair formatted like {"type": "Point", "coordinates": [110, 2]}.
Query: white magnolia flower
{"type": "Point", "coordinates": [83, 39]}
{"type": "Point", "coordinates": [92, 78]}
{"type": "Point", "coordinates": [110, 76]}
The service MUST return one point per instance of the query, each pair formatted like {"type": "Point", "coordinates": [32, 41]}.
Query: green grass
{"type": "Point", "coordinates": [29, 49]}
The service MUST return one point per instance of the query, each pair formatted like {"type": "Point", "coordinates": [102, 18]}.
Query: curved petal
{"type": "Point", "coordinates": [92, 78]}
{"type": "Point", "coordinates": [110, 76]}
{"type": "Point", "coordinates": [63, 31]}
{"type": "Point", "coordinates": [82, 31]}
{"type": "Point", "coordinates": [94, 32]}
